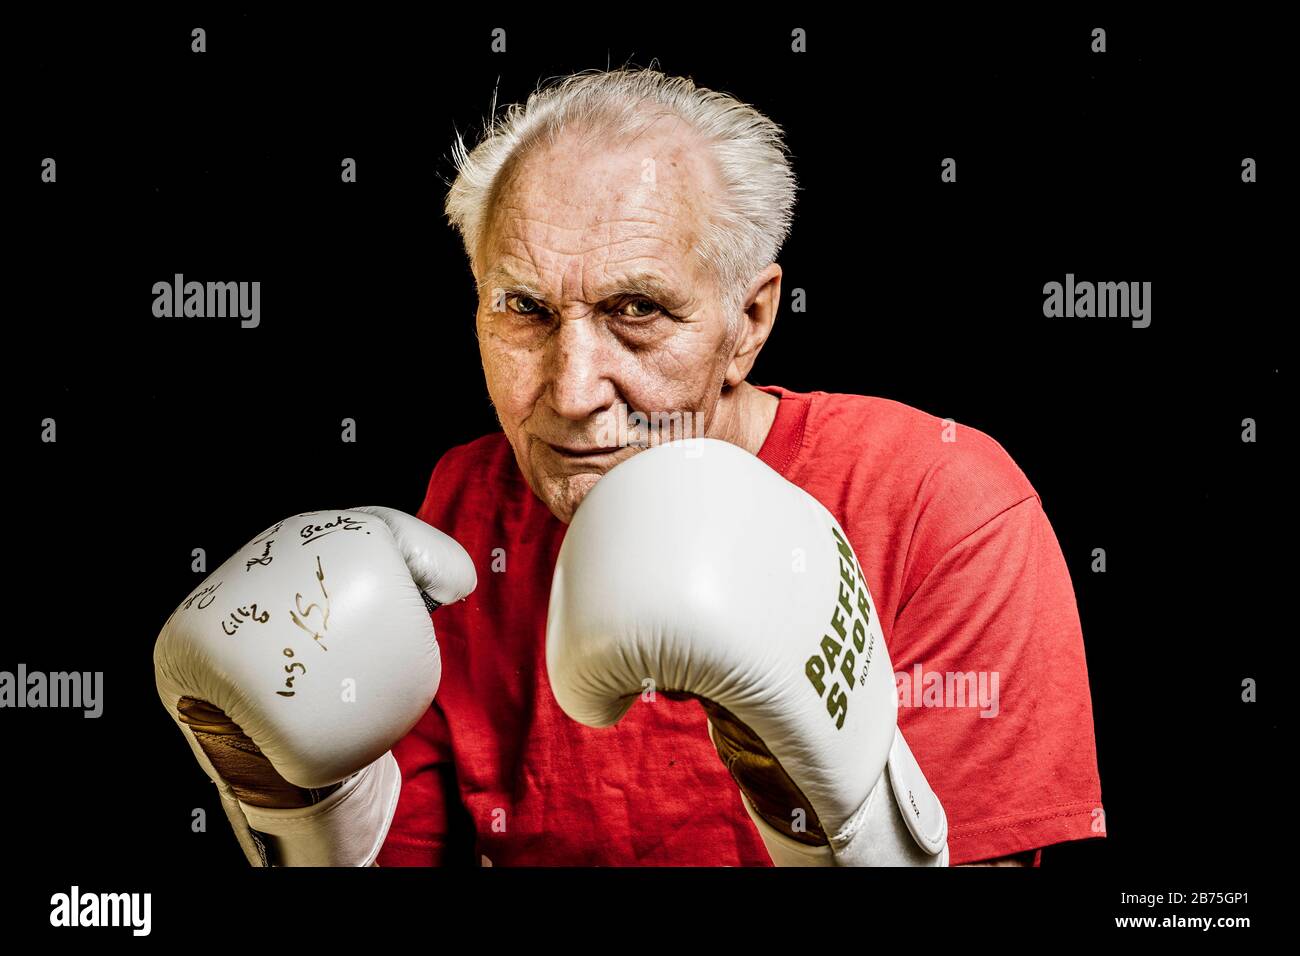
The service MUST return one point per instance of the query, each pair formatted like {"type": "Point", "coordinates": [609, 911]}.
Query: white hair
{"type": "Point", "coordinates": [749, 222]}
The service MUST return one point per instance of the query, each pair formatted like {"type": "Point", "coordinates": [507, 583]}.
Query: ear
{"type": "Point", "coordinates": [762, 299]}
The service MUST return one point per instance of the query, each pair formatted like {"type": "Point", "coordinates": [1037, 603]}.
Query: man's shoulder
{"type": "Point", "coordinates": [469, 474]}
{"type": "Point", "coordinates": [488, 452]}
{"type": "Point", "coordinates": [913, 454]}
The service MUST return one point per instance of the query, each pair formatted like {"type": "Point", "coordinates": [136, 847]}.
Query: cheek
{"type": "Point", "coordinates": [684, 373]}
{"type": "Point", "coordinates": [510, 372]}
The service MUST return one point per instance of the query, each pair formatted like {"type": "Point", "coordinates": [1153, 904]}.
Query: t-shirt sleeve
{"type": "Point", "coordinates": [993, 690]}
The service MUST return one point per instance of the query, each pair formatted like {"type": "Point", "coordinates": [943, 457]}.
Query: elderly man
{"type": "Point", "coordinates": [622, 228]}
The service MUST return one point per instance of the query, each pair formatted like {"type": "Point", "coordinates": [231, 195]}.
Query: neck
{"type": "Point", "coordinates": [745, 416]}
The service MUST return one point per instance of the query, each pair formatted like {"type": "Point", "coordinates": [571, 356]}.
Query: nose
{"type": "Point", "coordinates": [580, 369]}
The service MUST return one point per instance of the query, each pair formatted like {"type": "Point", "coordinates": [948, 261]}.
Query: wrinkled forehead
{"type": "Point", "coordinates": [589, 187]}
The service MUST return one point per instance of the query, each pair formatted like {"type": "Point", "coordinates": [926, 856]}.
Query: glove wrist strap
{"type": "Point", "coordinates": [901, 823]}
{"type": "Point", "coordinates": [347, 828]}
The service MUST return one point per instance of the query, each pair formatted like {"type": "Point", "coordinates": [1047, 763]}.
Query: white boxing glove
{"type": "Point", "coordinates": [695, 570]}
{"type": "Point", "coordinates": [296, 666]}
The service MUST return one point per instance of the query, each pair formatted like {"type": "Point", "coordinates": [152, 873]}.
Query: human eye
{"type": "Point", "coordinates": [639, 307]}
{"type": "Point", "coordinates": [522, 304]}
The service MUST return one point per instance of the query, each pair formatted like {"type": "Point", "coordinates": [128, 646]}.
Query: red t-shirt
{"type": "Point", "coordinates": [972, 593]}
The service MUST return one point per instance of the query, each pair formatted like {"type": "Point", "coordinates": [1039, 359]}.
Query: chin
{"type": "Point", "coordinates": [563, 495]}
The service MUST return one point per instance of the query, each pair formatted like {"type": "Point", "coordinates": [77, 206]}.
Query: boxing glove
{"type": "Point", "coordinates": [694, 570]}
{"type": "Point", "coordinates": [294, 668]}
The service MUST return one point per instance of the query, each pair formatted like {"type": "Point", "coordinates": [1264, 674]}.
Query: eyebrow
{"type": "Point", "coordinates": [648, 284]}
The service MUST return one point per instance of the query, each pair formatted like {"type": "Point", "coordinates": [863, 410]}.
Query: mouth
{"type": "Point", "coordinates": [587, 453]}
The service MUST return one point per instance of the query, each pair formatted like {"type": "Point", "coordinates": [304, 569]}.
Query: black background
{"type": "Point", "coordinates": [181, 434]}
